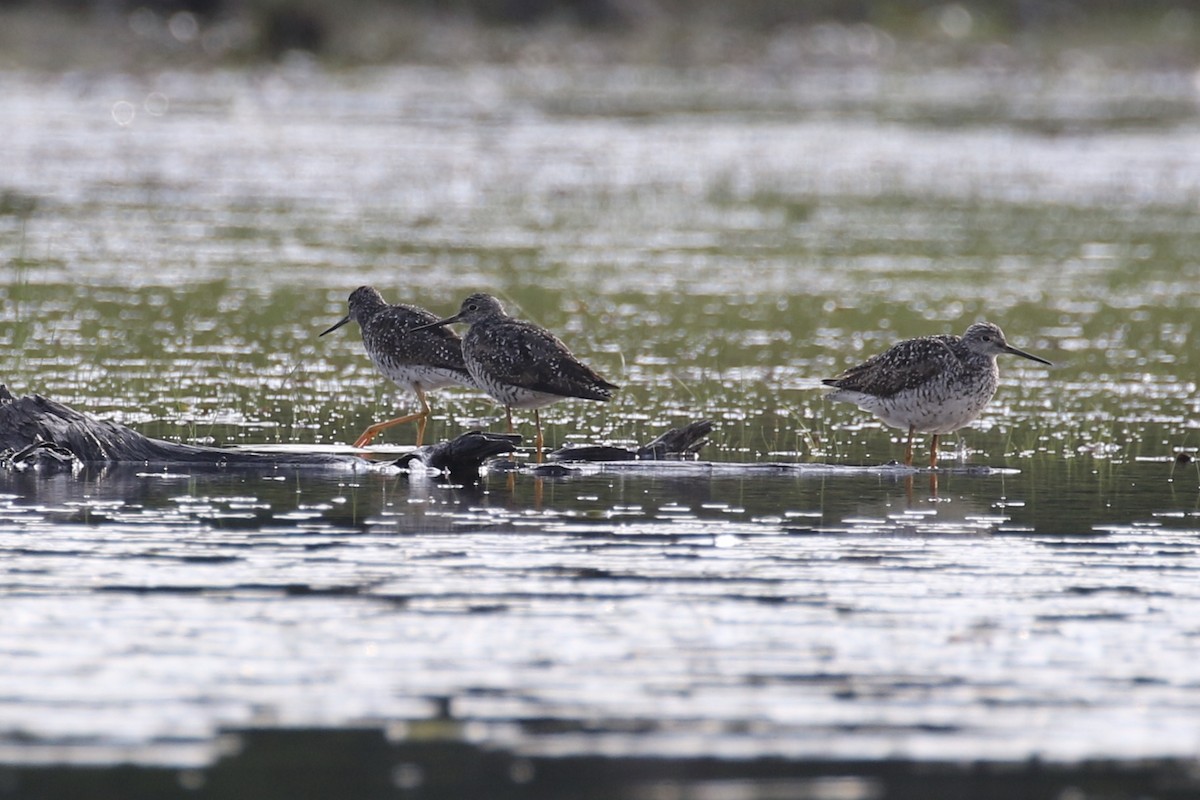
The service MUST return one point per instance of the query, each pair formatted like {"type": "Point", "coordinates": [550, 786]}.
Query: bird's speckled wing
{"type": "Point", "coordinates": [521, 354]}
{"type": "Point", "coordinates": [432, 347]}
{"type": "Point", "coordinates": [906, 365]}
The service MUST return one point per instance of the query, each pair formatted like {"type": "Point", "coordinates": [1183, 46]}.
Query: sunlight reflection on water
{"type": "Point", "coordinates": [880, 614]}
{"type": "Point", "coordinates": [717, 251]}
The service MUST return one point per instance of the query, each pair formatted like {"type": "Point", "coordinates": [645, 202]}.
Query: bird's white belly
{"type": "Point", "coordinates": [907, 409]}
{"type": "Point", "coordinates": [408, 376]}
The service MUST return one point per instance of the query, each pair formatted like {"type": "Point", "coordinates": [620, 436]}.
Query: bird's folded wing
{"type": "Point", "coordinates": [907, 365]}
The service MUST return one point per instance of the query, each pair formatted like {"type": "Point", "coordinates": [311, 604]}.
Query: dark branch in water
{"type": "Point", "coordinates": [676, 443]}
{"type": "Point", "coordinates": [36, 432]}
{"type": "Point", "coordinates": [466, 451]}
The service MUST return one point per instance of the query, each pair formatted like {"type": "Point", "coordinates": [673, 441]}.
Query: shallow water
{"type": "Point", "coordinates": [840, 617]}
{"type": "Point", "coordinates": [716, 243]}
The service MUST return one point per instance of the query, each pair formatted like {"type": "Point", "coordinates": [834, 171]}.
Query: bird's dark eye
{"type": "Point", "coordinates": [472, 307]}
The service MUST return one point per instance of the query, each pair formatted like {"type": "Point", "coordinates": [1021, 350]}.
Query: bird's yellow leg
{"type": "Point", "coordinates": [908, 449]}
{"type": "Point", "coordinates": [424, 419]}
{"type": "Point", "coordinates": [421, 418]}
{"type": "Point", "coordinates": [374, 430]}
{"type": "Point", "coordinates": [933, 452]}
{"type": "Point", "coordinates": [508, 414]}
{"type": "Point", "coordinates": [537, 420]}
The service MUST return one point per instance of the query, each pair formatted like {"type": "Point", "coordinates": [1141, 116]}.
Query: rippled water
{"type": "Point", "coordinates": [840, 617]}
{"type": "Point", "coordinates": [716, 243]}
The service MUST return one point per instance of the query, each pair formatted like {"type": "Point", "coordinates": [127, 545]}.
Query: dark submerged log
{"type": "Point", "coordinates": [36, 432]}
{"type": "Point", "coordinates": [677, 443]}
{"type": "Point", "coordinates": [464, 453]}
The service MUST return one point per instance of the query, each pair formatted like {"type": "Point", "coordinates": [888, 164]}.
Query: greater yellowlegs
{"type": "Point", "coordinates": [406, 349]}
{"type": "Point", "coordinates": [521, 365]}
{"type": "Point", "coordinates": [934, 384]}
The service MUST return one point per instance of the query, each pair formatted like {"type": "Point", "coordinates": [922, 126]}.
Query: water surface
{"type": "Point", "coordinates": [715, 242]}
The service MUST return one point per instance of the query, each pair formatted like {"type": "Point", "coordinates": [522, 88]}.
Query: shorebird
{"type": "Point", "coordinates": [934, 384]}
{"type": "Point", "coordinates": [520, 364]}
{"type": "Point", "coordinates": [407, 350]}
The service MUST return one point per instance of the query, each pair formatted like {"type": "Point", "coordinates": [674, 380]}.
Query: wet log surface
{"type": "Point", "coordinates": [37, 432]}
{"type": "Point", "coordinates": [676, 443]}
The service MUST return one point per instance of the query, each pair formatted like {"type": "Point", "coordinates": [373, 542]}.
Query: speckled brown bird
{"type": "Point", "coordinates": [933, 384]}
{"type": "Point", "coordinates": [406, 349]}
{"type": "Point", "coordinates": [520, 364]}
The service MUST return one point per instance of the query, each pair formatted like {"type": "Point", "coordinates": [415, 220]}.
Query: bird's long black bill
{"type": "Point", "coordinates": [1018, 352]}
{"type": "Point", "coordinates": [437, 324]}
{"type": "Point", "coordinates": [337, 325]}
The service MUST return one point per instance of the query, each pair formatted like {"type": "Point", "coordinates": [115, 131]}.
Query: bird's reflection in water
{"type": "Point", "coordinates": [910, 480]}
